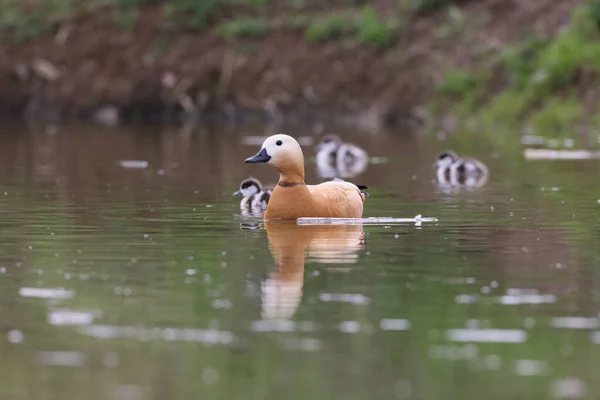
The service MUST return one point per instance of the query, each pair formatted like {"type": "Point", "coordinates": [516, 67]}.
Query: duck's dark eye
{"type": "Point", "coordinates": [279, 143]}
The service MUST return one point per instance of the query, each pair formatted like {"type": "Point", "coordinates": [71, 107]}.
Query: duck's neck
{"type": "Point", "coordinates": [291, 177]}
{"type": "Point", "coordinates": [287, 181]}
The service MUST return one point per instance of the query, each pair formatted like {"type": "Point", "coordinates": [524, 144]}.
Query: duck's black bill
{"type": "Point", "coordinates": [261, 156]}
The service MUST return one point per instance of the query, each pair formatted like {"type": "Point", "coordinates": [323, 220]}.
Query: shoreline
{"type": "Point", "coordinates": [381, 71]}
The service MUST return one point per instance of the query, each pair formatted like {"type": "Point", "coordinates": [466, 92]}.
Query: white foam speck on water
{"type": "Point", "coordinates": [221, 303]}
{"type": "Point", "coordinates": [352, 298]}
{"type": "Point", "coordinates": [69, 317]}
{"type": "Point", "coordinates": [568, 388]}
{"type": "Point", "coordinates": [595, 337]}
{"type": "Point", "coordinates": [272, 325]}
{"type": "Point", "coordinates": [303, 344]}
{"type": "Point", "coordinates": [453, 352]}
{"type": "Point", "coordinates": [124, 392]}
{"type": "Point", "coordinates": [469, 280]}
{"type": "Point", "coordinates": [111, 360]}
{"type": "Point", "coordinates": [208, 336]}
{"type": "Point", "coordinates": [349, 326]}
{"type": "Point", "coordinates": [467, 299]}
{"type": "Point", "coordinates": [550, 189]}
{"type": "Point", "coordinates": [531, 367]}
{"type": "Point", "coordinates": [527, 299]}
{"type": "Point", "coordinates": [487, 335]}
{"type": "Point", "coordinates": [402, 389]}
{"type": "Point", "coordinates": [395, 324]}
{"type": "Point", "coordinates": [492, 361]}
{"type": "Point", "coordinates": [378, 160]}
{"type": "Point", "coordinates": [210, 376]}
{"type": "Point", "coordinates": [15, 336]}
{"type": "Point", "coordinates": [46, 293]}
{"type": "Point", "coordinates": [532, 140]}
{"type": "Point", "coordinates": [133, 164]}
{"type": "Point", "coordinates": [575, 322]}
{"type": "Point", "coordinates": [529, 323]}
{"type": "Point", "coordinates": [61, 358]}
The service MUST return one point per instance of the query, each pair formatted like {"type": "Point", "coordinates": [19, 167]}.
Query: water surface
{"type": "Point", "coordinates": [147, 283]}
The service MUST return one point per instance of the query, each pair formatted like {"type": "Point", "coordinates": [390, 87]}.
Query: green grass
{"type": "Point", "coordinates": [371, 30]}
{"type": "Point", "coordinates": [557, 117]}
{"type": "Point", "coordinates": [331, 26]}
{"type": "Point", "coordinates": [243, 27]}
{"type": "Point", "coordinates": [536, 73]}
{"type": "Point", "coordinates": [126, 19]}
{"type": "Point", "coordinates": [195, 13]}
{"type": "Point", "coordinates": [425, 6]}
{"type": "Point", "coordinates": [456, 83]}
{"type": "Point", "coordinates": [366, 27]}
{"type": "Point", "coordinates": [22, 21]}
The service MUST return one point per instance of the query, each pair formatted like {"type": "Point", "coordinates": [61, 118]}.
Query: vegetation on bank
{"type": "Point", "coordinates": [546, 83]}
{"type": "Point", "coordinates": [319, 20]}
{"type": "Point", "coordinates": [540, 80]}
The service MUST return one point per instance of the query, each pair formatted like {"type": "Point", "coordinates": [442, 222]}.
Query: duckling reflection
{"type": "Point", "coordinates": [290, 245]}
{"type": "Point", "coordinates": [336, 159]}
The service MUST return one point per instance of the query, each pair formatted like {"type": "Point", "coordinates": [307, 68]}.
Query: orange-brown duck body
{"type": "Point", "coordinates": [292, 198]}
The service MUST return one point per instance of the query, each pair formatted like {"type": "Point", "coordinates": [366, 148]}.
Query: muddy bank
{"type": "Point", "coordinates": [89, 68]}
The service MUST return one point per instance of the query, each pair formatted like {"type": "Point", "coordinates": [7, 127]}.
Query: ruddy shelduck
{"type": "Point", "coordinates": [292, 198]}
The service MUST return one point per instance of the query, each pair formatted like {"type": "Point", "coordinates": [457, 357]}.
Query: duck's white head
{"type": "Point", "coordinates": [282, 152]}
{"type": "Point", "coordinates": [445, 159]}
{"type": "Point", "coordinates": [249, 187]}
{"type": "Point", "coordinates": [329, 144]}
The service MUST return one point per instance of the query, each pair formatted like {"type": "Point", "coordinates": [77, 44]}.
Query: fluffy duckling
{"type": "Point", "coordinates": [254, 195]}
{"type": "Point", "coordinates": [336, 158]}
{"type": "Point", "coordinates": [292, 198]}
{"type": "Point", "coordinates": [457, 171]}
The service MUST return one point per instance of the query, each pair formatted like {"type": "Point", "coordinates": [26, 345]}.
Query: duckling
{"type": "Point", "coordinates": [336, 158]}
{"type": "Point", "coordinates": [254, 196]}
{"type": "Point", "coordinates": [292, 198]}
{"type": "Point", "coordinates": [457, 171]}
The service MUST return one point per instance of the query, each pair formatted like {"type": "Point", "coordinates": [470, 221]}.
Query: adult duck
{"type": "Point", "coordinates": [292, 198]}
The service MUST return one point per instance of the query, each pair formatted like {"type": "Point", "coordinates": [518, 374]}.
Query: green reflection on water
{"type": "Point", "coordinates": [160, 262]}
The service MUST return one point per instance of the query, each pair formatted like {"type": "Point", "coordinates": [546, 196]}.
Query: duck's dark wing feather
{"type": "Point", "coordinates": [360, 187]}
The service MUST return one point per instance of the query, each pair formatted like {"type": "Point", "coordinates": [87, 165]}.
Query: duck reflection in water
{"type": "Point", "coordinates": [291, 245]}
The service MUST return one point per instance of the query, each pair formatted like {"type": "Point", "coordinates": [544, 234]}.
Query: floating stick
{"type": "Point", "coordinates": [363, 221]}
{"type": "Point", "coordinates": [546, 154]}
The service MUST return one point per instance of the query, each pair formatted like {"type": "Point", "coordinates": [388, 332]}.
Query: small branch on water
{"type": "Point", "coordinates": [364, 221]}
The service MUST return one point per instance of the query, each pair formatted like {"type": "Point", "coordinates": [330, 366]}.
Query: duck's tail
{"type": "Point", "coordinates": [362, 190]}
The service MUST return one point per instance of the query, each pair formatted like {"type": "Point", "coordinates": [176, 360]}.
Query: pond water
{"type": "Point", "coordinates": [147, 283]}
